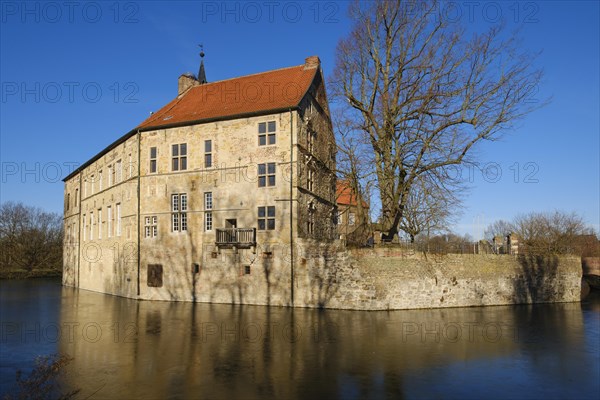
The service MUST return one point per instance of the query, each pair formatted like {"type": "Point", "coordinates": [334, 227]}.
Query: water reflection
{"type": "Point", "coordinates": [128, 349]}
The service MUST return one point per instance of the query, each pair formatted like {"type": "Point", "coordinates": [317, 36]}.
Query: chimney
{"type": "Point", "coordinates": [312, 62]}
{"type": "Point", "coordinates": [185, 82]}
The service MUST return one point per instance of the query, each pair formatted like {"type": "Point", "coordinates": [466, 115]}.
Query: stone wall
{"type": "Point", "coordinates": [381, 280]}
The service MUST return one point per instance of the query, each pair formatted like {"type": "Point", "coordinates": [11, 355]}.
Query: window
{"type": "Point", "coordinates": [100, 180]}
{"type": "Point", "coordinates": [351, 218]}
{"type": "Point", "coordinates": [152, 160]}
{"type": "Point", "coordinates": [309, 179]}
{"type": "Point", "coordinates": [68, 201]}
{"type": "Point", "coordinates": [76, 200]}
{"type": "Point", "coordinates": [208, 217]}
{"type": "Point", "coordinates": [84, 228]}
{"type": "Point", "coordinates": [93, 183]}
{"type": "Point", "coordinates": [118, 210]}
{"type": "Point", "coordinates": [109, 218]}
{"type": "Point", "coordinates": [99, 223]}
{"type": "Point", "coordinates": [119, 168]}
{"type": "Point", "coordinates": [179, 157]}
{"type": "Point", "coordinates": [339, 217]}
{"type": "Point", "coordinates": [111, 175]}
{"type": "Point", "coordinates": [207, 153]}
{"type": "Point", "coordinates": [266, 174]}
{"type": "Point", "coordinates": [92, 225]}
{"type": "Point", "coordinates": [151, 226]}
{"type": "Point", "coordinates": [266, 218]}
{"type": "Point", "coordinates": [266, 133]}
{"type": "Point", "coordinates": [85, 188]}
{"type": "Point", "coordinates": [311, 141]}
{"type": "Point", "coordinates": [310, 223]}
{"type": "Point", "coordinates": [155, 275]}
{"type": "Point", "coordinates": [179, 212]}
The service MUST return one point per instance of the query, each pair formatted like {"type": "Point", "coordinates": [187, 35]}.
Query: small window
{"type": "Point", "coordinates": [266, 174]}
{"type": "Point", "coordinates": [152, 167]}
{"type": "Point", "coordinates": [351, 218]}
{"type": "Point", "coordinates": [266, 218]}
{"type": "Point", "coordinates": [266, 133]}
{"type": "Point", "coordinates": [179, 157]}
{"type": "Point", "coordinates": [68, 201]}
{"type": "Point", "coordinates": [207, 153]}
{"type": "Point", "coordinates": [151, 226]}
{"type": "Point", "coordinates": [246, 269]}
{"type": "Point", "coordinates": [92, 225]}
{"type": "Point", "coordinates": [100, 180]}
{"type": "Point", "coordinates": [339, 217]}
{"type": "Point", "coordinates": [76, 199]}
{"type": "Point", "coordinates": [155, 275]}
{"type": "Point", "coordinates": [84, 228]}
{"type": "Point", "coordinates": [93, 183]}
{"type": "Point", "coordinates": [119, 169]}
{"type": "Point", "coordinates": [311, 141]}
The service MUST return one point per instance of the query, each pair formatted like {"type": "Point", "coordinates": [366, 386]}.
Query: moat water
{"type": "Point", "coordinates": [129, 349]}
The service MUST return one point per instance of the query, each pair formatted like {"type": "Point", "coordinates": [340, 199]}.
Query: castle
{"type": "Point", "coordinates": [212, 197]}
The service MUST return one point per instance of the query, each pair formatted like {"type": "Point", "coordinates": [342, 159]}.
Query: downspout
{"type": "Point", "coordinates": [139, 168]}
{"type": "Point", "coordinates": [291, 208]}
{"type": "Point", "coordinates": [79, 205]}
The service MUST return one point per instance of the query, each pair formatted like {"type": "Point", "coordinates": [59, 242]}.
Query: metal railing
{"type": "Point", "coordinates": [238, 237]}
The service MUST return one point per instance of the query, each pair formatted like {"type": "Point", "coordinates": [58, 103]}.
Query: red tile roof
{"type": "Point", "coordinates": [345, 195]}
{"type": "Point", "coordinates": [252, 94]}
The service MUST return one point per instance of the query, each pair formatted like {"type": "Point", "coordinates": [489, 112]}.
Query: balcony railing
{"type": "Point", "coordinates": [236, 237]}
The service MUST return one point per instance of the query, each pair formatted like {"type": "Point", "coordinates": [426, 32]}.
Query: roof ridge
{"type": "Point", "coordinates": [244, 76]}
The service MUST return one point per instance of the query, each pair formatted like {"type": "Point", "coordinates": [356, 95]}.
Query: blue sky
{"type": "Point", "coordinates": [76, 76]}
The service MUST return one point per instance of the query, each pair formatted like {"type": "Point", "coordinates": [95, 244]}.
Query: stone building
{"type": "Point", "coordinates": [213, 198]}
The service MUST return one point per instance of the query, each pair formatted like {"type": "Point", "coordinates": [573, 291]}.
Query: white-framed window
{"type": "Point", "coordinates": [93, 183]}
{"type": "Point", "coordinates": [311, 141]}
{"type": "Point", "coordinates": [339, 217]}
{"type": "Point", "coordinates": [179, 157]}
{"type": "Point", "coordinates": [266, 174]}
{"type": "Point", "coordinates": [99, 223]}
{"type": "Point", "coordinates": [309, 179]}
{"type": "Point", "coordinates": [109, 219]}
{"type": "Point", "coordinates": [100, 180]}
{"type": "Point", "coordinates": [266, 218]}
{"type": "Point", "coordinates": [208, 154]}
{"type": "Point", "coordinates": [153, 155]}
{"type": "Point", "coordinates": [179, 212]}
{"type": "Point", "coordinates": [151, 226]}
{"type": "Point", "coordinates": [118, 211]}
{"type": "Point", "coordinates": [266, 133]}
{"type": "Point", "coordinates": [111, 175]}
{"type": "Point", "coordinates": [208, 216]}
{"type": "Point", "coordinates": [351, 218]}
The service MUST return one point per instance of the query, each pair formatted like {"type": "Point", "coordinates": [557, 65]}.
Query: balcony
{"type": "Point", "coordinates": [238, 238]}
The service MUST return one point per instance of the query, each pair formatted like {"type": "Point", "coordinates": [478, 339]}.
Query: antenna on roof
{"type": "Point", "coordinates": [201, 72]}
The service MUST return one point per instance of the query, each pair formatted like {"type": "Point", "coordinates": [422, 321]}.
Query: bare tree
{"type": "Point", "coordinates": [430, 208]}
{"type": "Point", "coordinates": [498, 228]}
{"type": "Point", "coordinates": [550, 233]}
{"type": "Point", "coordinates": [421, 92]}
{"type": "Point", "coordinates": [29, 238]}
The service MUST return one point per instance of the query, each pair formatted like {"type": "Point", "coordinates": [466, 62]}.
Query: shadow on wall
{"type": "Point", "coordinates": [539, 280]}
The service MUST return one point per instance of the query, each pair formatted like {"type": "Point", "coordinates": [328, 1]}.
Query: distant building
{"type": "Point", "coordinates": [349, 218]}
{"type": "Point", "coordinates": [240, 165]}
